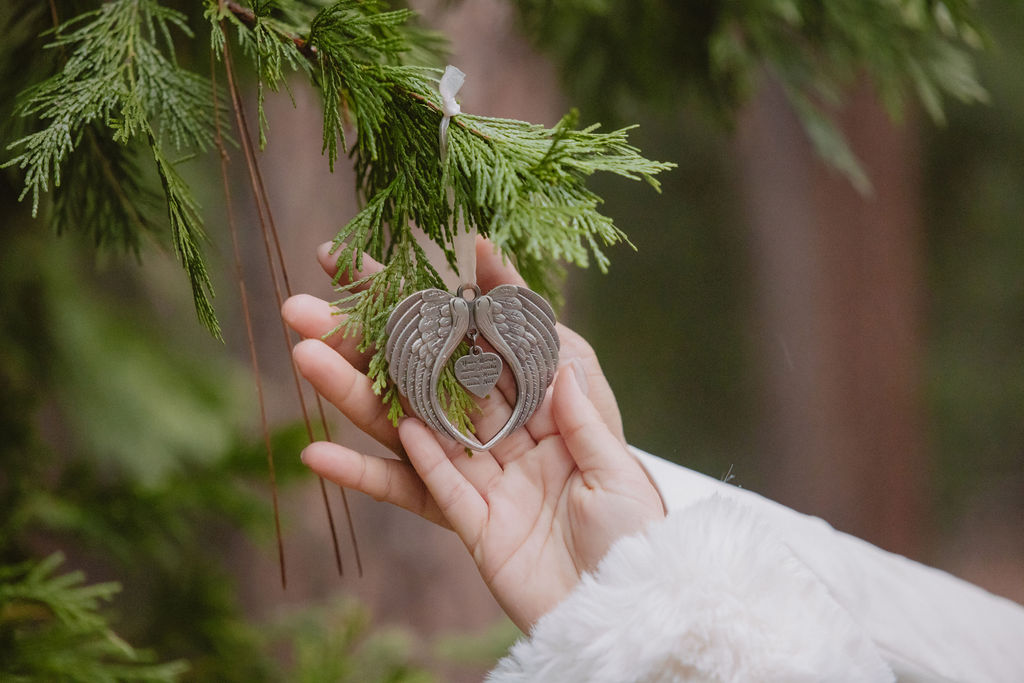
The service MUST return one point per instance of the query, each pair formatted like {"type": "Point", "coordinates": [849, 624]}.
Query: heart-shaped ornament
{"type": "Point", "coordinates": [426, 328]}
{"type": "Point", "coordinates": [478, 372]}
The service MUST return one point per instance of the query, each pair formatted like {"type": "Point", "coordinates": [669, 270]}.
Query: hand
{"type": "Point", "coordinates": [536, 511]}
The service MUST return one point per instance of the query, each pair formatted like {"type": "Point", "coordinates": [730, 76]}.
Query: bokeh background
{"type": "Point", "coordinates": [856, 356]}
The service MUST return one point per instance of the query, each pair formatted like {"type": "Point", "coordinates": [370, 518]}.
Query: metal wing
{"type": "Point", "coordinates": [423, 331]}
{"type": "Point", "coordinates": [520, 325]}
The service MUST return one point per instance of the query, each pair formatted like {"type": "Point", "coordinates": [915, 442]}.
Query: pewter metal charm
{"type": "Point", "coordinates": [425, 329]}
{"type": "Point", "coordinates": [478, 370]}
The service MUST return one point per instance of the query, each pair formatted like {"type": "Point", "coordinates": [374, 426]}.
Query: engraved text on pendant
{"type": "Point", "coordinates": [478, 372]}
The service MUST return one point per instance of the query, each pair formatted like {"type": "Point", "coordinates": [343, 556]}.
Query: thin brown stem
{"type": "Point", "coordinates": [265, 217]}
{"type": "Point", "coordinates": [247, 315]}
{"type": "Point", "coordinates": [53, 13]}
{"type": "Point", "coordinates": [249, 18]}
{"type": "Point", "coordinates": [264, 196]}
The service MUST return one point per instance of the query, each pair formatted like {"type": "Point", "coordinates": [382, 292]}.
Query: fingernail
{"type": "Point", "coordinates": [302, 456]}
{"type": "Point", "coordinates": [580, 374]}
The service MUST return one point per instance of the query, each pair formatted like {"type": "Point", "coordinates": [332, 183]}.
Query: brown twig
{"type": "Point", "coordinates": [247, 315]}
{"type": "Point", "coordinates": [272, 224]}
{"type": "Point", "coordinates": [268, 228]}
{"type": "Point", "coordinates": [249, 18]}
{"type": "Point", "coordinates": [53, 13]}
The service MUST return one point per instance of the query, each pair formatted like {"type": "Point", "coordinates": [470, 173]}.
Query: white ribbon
{"type": "Point", "coordinates": [449, 86]}
{"type": "Point", "coordinates": [464, 242]}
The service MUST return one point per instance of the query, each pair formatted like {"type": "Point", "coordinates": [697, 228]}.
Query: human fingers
{"type": "Point", "coordinates": [328, 259]}
{"type": "Point", "coordinates": [459, 501]}
{"type": "Point", "coordinates": [383, 479]}
{"type": "Point", "coordinates": [598, 390]}
{"type": "Point", "coordinates": [576, 352]}
{"type": "Point", "coordinates": [492, 269]}
{"type": "Point", "coordinates": [314, 318]}
{"type": "Point", "coordinates": [598, 453]}
{"type": "Point", "coordinates": [349, 390]}
{"type": "Point", "coordinates": [613, 496]}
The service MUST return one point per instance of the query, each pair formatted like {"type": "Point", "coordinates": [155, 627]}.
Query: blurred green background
{"type": "Point", "coordinates": [129, 440]}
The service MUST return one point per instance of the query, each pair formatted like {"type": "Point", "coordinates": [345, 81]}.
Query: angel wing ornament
{"type": "Point", "coordinates": [425, 329]}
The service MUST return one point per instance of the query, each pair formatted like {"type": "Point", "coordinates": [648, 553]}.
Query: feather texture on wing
{"type": "Point", "coordinates": [423, 331]}
{"type": "Point", "coordinates": [426, 327]}
{"type": "Point", "coordinates": [520, 325]}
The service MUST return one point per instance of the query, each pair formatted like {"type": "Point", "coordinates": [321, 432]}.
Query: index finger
{"type": "Point", "coordinates": [328, 259]}
{"type": "Point", "coordinates": [349, 390]}
{"type": "Point", "coordinates": [492, 269]}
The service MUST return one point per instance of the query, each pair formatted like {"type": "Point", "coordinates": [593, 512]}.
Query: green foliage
{"type": "Point", "coordinates": [355, 41]}
{"type": "Point", "coordinates": [119, 92]}
{"type": "Point", "coordinates": [142, 476]}
{"type": "Point", "coordinates": [51, 629]}
{"type": "Point", "coordinates": [520, 184]}
{"type": "Point", "coordinates": [621, 53]}
{"type": "Point", "coordinates": [262, 43]}
{"type": "Point", "coordinates": [974, 367]}
{"type": "Point", "coordinates": [130, 475]}
{"type": "Point", "coordinates": [318, 635]}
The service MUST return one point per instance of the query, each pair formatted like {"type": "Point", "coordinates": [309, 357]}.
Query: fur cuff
{"type": "Point", "coordinates": [709, 594]}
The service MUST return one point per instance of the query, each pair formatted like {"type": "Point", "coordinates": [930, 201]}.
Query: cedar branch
{"type": "Point", "coordinates": [249, 18]}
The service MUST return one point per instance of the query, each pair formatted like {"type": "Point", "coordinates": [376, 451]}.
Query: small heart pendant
{"type": "Point", "coordinates": [426, 328]}
{"type": "Point", "coordinates": [478, 371]}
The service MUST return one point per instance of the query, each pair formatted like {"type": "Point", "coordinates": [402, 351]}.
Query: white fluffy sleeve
{"type": "Point", "coordinates": [927, 625]}
{"type": "Point", "coordinates": [734, 587]}
{"type": "Point", "coordinates": [709, 594]}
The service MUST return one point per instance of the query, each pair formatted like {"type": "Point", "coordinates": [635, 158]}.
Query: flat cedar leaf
{"type": "Point", "coordinates": [120, 85]}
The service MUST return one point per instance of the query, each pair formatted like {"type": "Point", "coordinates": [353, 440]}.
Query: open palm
{"type": "Point", "coordinates": [535, 511]}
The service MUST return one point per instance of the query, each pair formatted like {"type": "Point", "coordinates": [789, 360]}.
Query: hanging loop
{"type": "Point", "coordinates": [449, 86]}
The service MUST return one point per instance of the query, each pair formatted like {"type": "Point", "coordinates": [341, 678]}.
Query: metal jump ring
{"type": "Point", "coordinates": [475, 288]}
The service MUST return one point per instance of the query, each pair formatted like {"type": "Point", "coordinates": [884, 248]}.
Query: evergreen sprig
{"type": "Point", "coordinates": [520, 184]}
{"type": "Point", "coordinates": [119, 93]}
{"type": "Point", "coordinates": [266, 41]}
{"type": "Point", "coordinates": [51, 629]}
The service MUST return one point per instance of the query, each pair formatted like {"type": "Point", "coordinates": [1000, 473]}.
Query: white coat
{"type": "Point", "coordinates": [734, 587]}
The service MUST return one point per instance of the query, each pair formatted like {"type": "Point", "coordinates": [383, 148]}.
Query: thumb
{"type": "Point", "coordinates": [592, 445]}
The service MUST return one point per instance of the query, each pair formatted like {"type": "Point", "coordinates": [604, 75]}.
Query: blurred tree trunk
{"type": "Point", "coordinates": [839, 291]}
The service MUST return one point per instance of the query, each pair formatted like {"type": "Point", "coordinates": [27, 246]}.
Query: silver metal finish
{"type": "Point", "coordinates": [425, 329]}
{"type": "Point", "coordinates": [478, 371]}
